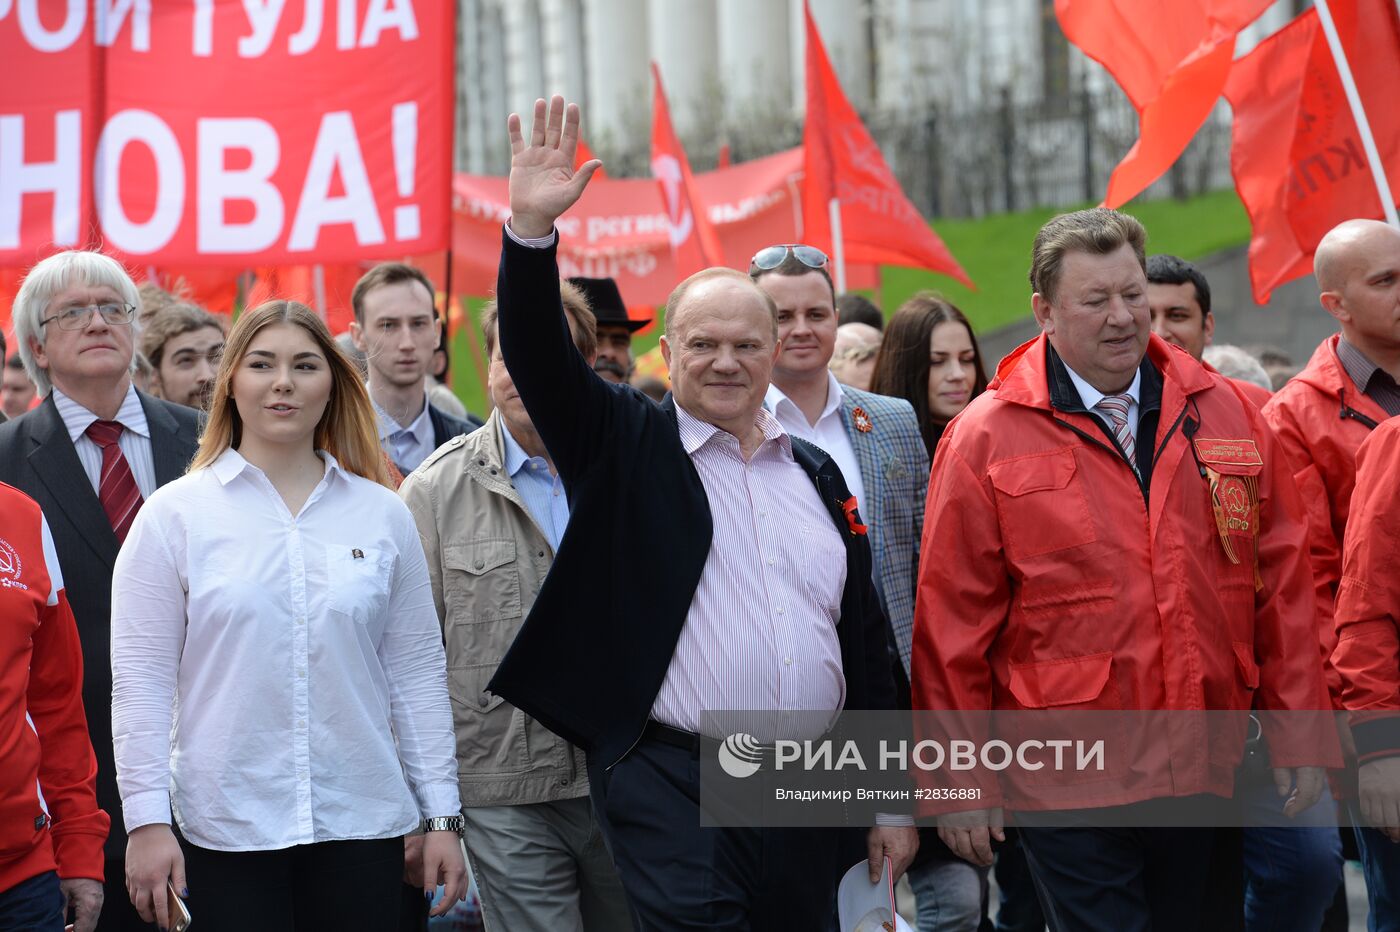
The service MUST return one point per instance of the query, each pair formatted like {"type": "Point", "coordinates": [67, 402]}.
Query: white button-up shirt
{"type": "Point", "coordinates": [761, 631]}
{"type": "Point", "coordinates": [299, 659]}
{"type": "Point", "coordinates": [1091, 396]}
{"type": "Point", "coordinates": [828, 432]}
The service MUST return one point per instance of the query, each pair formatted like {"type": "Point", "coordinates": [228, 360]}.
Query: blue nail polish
{"type": "Point", "coordinates": [185, 891]}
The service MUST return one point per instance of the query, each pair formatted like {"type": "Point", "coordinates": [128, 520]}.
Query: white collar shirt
{"type": "Point", "coordinates": [1092, 396]}
{"type": "Point", "coordinates": [761, 631]}
{"type": "Point", "coordinates": [278, 680]}
{"type": "Point", "coordinates": [408, 446]}
{"type": "Point", "coordinates": [828, 432]}
{"type": "Point", "coordinates": [135, 440]}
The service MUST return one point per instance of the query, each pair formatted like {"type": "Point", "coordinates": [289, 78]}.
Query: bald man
{"type": "Point", "coordinates": [1347, 389]}
{"type": "Point", "coordinates": [764, 554]}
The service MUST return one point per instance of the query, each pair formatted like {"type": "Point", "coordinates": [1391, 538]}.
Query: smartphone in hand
{"type": "Point", "coordinates": [175, 907]}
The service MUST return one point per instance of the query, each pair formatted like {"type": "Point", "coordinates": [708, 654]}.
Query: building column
{"type": "Point", "coordinates": [618, 69]}
{"type": "Point", "coordinates": [685, 44]}
{"type": "Point", "coordinates": [755, 63]}
{"type": "Point", "coordinates": [845, 31]}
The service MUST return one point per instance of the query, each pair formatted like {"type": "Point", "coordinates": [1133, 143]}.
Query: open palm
{"type": "Point", "coordinates": [543, 183]}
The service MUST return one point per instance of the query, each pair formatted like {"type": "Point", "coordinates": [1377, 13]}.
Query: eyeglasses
{"type": "Point", "coordinates": [770, 257]}
{"type": "Point", "coordinates": [77, 318]}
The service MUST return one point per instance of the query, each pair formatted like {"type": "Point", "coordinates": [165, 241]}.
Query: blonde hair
{"type": "Point", "coordinates": [348, 429]}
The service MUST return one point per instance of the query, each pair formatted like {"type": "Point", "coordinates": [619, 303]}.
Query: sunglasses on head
{"type": "Point", "coordinates": [770, 257]}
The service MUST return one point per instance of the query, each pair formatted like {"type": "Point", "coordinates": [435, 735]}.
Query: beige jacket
{"type": "Point", "coordinates": [487, 559]}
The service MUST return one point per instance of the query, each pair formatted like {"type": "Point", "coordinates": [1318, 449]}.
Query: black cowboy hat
{"type": "Point", "coordinates": [606, 303]}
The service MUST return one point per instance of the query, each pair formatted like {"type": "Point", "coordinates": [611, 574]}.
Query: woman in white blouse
{"type": "Point", "coordinates": [279, 680]}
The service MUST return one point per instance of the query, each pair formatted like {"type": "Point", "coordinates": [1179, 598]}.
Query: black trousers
{"type": "Point", "coordinates": [1119, 879]}
{"type": "Point", "coordinates": [335, 886]}
{"type": "Point", "coordinates": [681, 876]}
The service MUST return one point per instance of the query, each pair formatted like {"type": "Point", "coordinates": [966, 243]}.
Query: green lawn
{"type": "Point", "coordinates": [995, 251]}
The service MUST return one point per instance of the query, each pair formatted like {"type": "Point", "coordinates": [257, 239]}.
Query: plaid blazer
{"type": "Point", "coordinates": [894, 467]}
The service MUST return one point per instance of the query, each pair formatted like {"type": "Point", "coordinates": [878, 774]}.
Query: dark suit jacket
{"type": "Point", "coordinates": [445, 426]}
{"type": "Point", "coordinates": [592, 654]}
{"type": "Point", "coordinates": [37, 457]}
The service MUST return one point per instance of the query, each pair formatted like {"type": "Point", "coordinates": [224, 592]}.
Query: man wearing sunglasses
{"type": "Point", "coordinates": [90, 454]}
{"type": "Point", "coordinates": [874, 439]}
{"type": "Point", "coordinates": [740, 609]}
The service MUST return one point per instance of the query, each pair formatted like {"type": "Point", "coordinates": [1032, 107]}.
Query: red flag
{"type": "Point", "coordinates": [1171, 59]}
{"type": "Point", "coordinates": [693, 240]}
{"type": "Point", "coordinates": [1296, 154]}
{"type": "Point", "coordinates": [584, 154]}
{"type": "Point", "coordinates": [879, 224]}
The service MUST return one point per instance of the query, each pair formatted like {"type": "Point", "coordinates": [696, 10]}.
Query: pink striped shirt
{"type": "Point", "coordinates": [761, 632]}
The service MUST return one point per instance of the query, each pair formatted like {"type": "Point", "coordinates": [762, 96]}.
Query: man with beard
{"type": "Point", "coordinates": [183, 344]}
{"type": "Point", "coordinates": [615, 328]}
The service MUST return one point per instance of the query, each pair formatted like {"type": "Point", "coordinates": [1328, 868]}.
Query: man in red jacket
{"type": "Point", "coordinates": [1368, 659]}
{"type": "Point", "coordinates": [51, 831]}
{"type": "Point", "coordinates": [1348, 387]}
{"type": "Point", "coordinates": [1129, 539]}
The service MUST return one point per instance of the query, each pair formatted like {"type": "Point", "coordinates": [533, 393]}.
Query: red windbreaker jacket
{"type": "Point", "coordinates": [48, 780]}
{"type": "Point", "coordinates": [1320, 420]}
{"type": "Point", "coordinates": [1050, 579]}
{"type": "Point", "coordinates": [1368, 599]}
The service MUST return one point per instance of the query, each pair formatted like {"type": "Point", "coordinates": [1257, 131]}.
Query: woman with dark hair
{"type": "Point", "coordinates": [930, 358]}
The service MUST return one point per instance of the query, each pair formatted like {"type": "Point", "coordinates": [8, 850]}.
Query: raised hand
{"type": "Point", "coordinates": [543, 183]}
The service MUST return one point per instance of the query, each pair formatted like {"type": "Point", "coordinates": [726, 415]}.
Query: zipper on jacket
{"type": "Point", "coordinates": [1350, 412]}
{"type": "Point", "coordinates": [1179, 418]}
{"type": "Point", "coordinates": [1112, 451]}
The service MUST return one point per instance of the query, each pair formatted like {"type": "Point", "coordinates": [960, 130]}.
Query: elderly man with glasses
{"type": "Point", "coordinates": [90, 454]}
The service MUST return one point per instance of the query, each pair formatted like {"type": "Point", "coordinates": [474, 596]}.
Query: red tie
{"type": "Point", "coordinates": [117, 491]}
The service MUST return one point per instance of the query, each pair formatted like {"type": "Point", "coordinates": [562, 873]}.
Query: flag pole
{"type": "Point", "coordinates": [318, 287]}
{"type": "Point", "coordinates": [1358, 113]}
{"type": "Point", "coordinates": [838, 245]}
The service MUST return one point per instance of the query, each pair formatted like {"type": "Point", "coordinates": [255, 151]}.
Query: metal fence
{"type": "Point", "coordinates": [1006, 157]}
{"type": "Point", "coordinates": [1016, 156]}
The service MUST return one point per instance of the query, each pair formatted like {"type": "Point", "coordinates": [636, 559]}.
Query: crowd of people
{"type": "Point", "coordinates": [293, 641]}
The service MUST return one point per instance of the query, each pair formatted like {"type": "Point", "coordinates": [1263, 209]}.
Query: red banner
{"type": "Point", "coordinates": [214, 132]}
{"type": "Point", "coordinates": [878, 222]}
{"type": "Point", "coordinates": [619, 229]}
{"type": "Point", "coordinates": [1171, 59]}
{"type": "Point", "coordinates": [694, 244]}
{"type": "Point", "coordinates": [1296, 153]}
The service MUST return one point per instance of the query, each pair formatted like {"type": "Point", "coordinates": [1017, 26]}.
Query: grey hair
{"type": "Point", "coordinates": [1234, 363]}
{"type": "Point", "coordinates": [50, 276]}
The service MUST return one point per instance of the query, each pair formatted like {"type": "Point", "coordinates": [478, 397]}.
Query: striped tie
{"type": "Point", "coordinates": [117, 490]}
{"type": "Point", "coordinates": [1116, 407]}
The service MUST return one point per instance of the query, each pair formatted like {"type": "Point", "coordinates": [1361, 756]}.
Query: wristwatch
{"type": "Point", "coordinates": [446, 824]}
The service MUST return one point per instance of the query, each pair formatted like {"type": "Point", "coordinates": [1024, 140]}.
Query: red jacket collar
{"type": "Point", "coordinates": [1324, 370]}
{"type": "Point", "coordinates": [1021, 377]}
